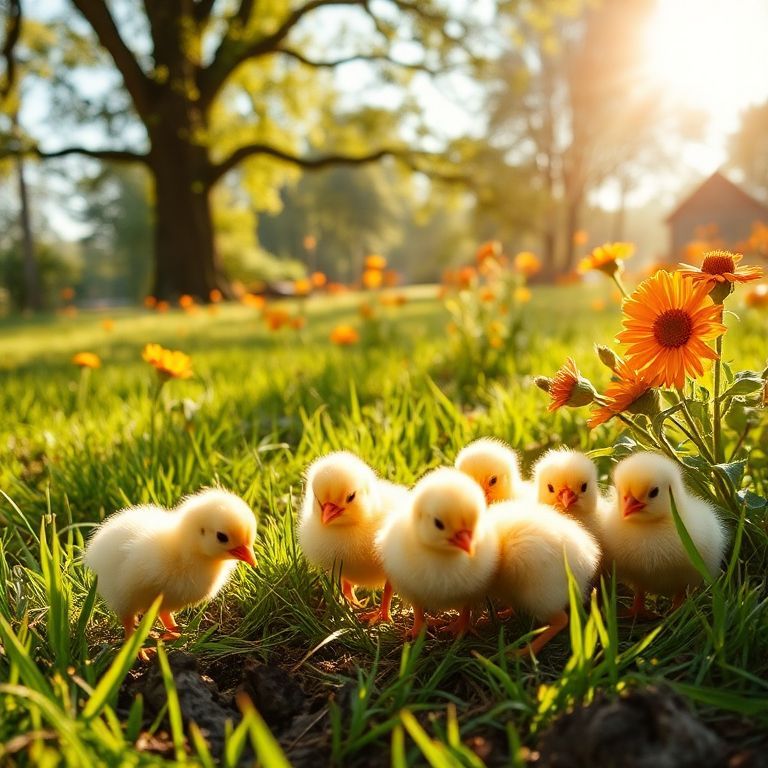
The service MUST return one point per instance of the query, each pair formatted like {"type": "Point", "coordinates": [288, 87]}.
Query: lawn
{"type": "Point", "coordinates": [77, 445]}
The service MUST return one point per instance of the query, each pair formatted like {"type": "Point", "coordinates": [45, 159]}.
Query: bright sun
{"type": "Point", "coordinates": [711, 54]}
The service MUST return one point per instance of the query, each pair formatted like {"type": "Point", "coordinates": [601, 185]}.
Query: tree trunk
{"type": "Point", "coordinates": [185, 253]}
{"type": "Point", "coordinates": [32, 296]}
{"type": "Point", "coordinates": [572, 223]}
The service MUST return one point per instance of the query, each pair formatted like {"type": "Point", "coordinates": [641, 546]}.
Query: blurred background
{"type": "Point", "coordinates": [214, 148]}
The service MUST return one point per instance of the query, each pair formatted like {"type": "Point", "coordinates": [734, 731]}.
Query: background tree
{"type": "Point", "coordinates": [198, 88]}
{"type": "Point", "coordinates": [749, 149]}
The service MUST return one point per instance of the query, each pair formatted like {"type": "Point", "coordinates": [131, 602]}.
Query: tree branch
{"type": "Point", "coordinates": [137, 84]}
{"type": "Point", "coordinates": [12, 32]}
{"type": "Point", "coordinates": [318, 162]}
{"type": "Point", "coordinates": [114, 155]}
{"type": "Point", "coordinates": [233, 52]}
{"type": "Point", "coordinates": [330, 63]}
{"type": "Point", "coordinates": [203, 10]}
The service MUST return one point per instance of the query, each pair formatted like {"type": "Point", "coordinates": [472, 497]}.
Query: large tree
{"type": "Point", "coordinates": [213, 86]}
{"type": "Point", "coordinates": [749, 148]}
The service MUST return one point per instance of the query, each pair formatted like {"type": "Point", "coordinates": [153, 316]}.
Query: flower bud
{"type": "Point", "coordinates": [543, 382]}
{"type": "Point", "coordinates": [607, 356]}
{"type": "Point", "coordinates": [721, 291]}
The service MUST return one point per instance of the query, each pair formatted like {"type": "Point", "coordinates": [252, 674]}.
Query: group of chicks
{"type": "Point", "coordinates": [460, 536]}
{"type": "Point", "coordinates": [478, 531]}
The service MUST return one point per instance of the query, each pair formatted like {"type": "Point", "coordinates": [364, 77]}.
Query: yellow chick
{"type": "Point", "coordinates": [185, 554]}
{"type": "Point", "coordinates": [493, 465]}
{"type": "Point", "coordinates": [440, 552]}
{"type": "Point", "coordinates": [640, 536]}
{"type": "Point", "coordinates": [535, 541]}
{"type": "Point", "coordinates": [567, 480]}
{"type": "Point", "coordinates": [345, 505]}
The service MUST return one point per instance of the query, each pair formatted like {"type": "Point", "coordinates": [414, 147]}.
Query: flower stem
{"type": "Point", "coordinates": [620, 284]}
{"type": "Point", "coordinates": [695, 435]}
{"type": "Point", "coordinates": [717, 446]}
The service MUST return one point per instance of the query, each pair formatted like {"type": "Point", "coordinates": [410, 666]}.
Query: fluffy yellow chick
{"type": "Point", "coordinates": [493, 465]}
{"type": "Point", "coordinates": [535, 542]}
{"type": "Point", "coordinates": [185, 554]}
{"type": "Point", "coordinates": [640, 536]}
{"type": "Point", "coordinates": [345, 505]}
{"type": "Point", "coordinates": [440, 552]}
{"type": "Point", "coordinates": [567, 480]}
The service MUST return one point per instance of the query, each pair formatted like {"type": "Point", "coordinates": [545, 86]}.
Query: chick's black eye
{"type": "Point", "coordinates": [439, 524]}
{"type": "Point", "coordinates": [493, 480]}
{"type": "Point", "coordinates": [351, 497]}
{"type": "Point", "coordinates": [550, 487]}
{"type": "Point", "coordinates": [222, 537]}
{"type": "Point", "coordinates": [583, 487]}
{"type": "Point", "coordinates": [654, 492]}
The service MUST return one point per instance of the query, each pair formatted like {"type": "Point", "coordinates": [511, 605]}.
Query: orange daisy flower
{"type": "Point", "coordinates": [527, 263]}
{"type": "Point", "coordinates": [667, 321]}
{"type": "Point", "coordinates": [374, 261]}
{"type": "Point", "coordinates": [318, 279]}
{"type": "Point", "coordinates": [372, 278]}
{"type": "Point", "coordinates": [169, 364]}
{"type": "Point", "coordinates": [489, 250]}
{"type": "Point", "coordinates": [302, 287]}
{"type": "Point", "coordinates": [87, 360]}
{"type": "Point", "coordinates": [344, 335]}
{"type": "Point", "coordinates": [568, 387]}
{"type": "Point", "coordinates": [721, 267]}
{"type": "Point", "coordinates": [607, 258]}
{"type": "Point", "coordinates": [757, 296]}
{"type": "Point", "coordinates": [215, 296]}
{"type": "Point", "coordinates": [625, 393]}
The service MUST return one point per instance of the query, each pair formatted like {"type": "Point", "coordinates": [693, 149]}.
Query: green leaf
{"type": "Point", "coordinates": [734, 471]}
{"type": "Point", "coordinates": [752, 500]}
{"type": "Point", "coordinates": [745, 383]}
{"type": "Point", "coordinates": [690, 547]}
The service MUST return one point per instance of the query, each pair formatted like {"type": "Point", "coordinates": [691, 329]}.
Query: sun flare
{"type": "Point", "coordinates": [711, 54]}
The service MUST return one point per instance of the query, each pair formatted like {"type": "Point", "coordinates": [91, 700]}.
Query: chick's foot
{"type": "Point", "coordinates": [638, 611]}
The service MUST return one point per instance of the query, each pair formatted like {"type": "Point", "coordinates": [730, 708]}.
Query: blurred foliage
{"type": "Point", "coordinates": [749, 148]}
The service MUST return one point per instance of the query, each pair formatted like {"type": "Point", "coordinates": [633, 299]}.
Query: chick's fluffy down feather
{"type": "Point", "coordinates": [350, 548]}
{"type": "Point", "coordinates": [432, 579]}
{"type": "Point", "coordinates": [534, 542]}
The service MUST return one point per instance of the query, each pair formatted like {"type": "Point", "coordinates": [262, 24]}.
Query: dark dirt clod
{"type": "Point", "coordinates": [198, 699]}
{"type": "Point", "coordinates": [273, 691]}
{"type": "Point", "coordinates": [650, 728]}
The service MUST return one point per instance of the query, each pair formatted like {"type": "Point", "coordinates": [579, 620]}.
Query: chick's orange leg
{"type": "Point", "coordinates": [418, 623]}
{"type": "Point", "coordinates": [638, 609]}
{"type": "Point", "coordinates": [129, 626]}
{"type": "Point", "coordinates": [557, 624]}
{"type": "Point", "coordinates": [348, 590]}
{"type": "Point", "coordinates": [678, 599]}
{"type": "Point", "coordinates": [170, 625]}
{"type": "Point", "coordinates": [382, 612]}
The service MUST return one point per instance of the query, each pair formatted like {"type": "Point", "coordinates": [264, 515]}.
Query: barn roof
{"type": "Point", "coordinates": [718, 184]}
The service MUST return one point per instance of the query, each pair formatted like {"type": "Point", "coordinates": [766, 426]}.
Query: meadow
{"type": "Point", "coordinates": [76, 445]}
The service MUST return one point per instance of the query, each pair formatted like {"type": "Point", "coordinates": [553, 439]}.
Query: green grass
{"type": "Point", "coordinates": [75, 448]}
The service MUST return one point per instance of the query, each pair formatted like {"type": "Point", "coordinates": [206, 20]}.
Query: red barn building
{"type": "Point", "coordinates": [718, 214]}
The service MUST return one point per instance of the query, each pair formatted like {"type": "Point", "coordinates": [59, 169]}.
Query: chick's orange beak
{"type": "Point", "coordinates": [631, 505]}
{"type": "Point", "coordinates": [245, 554]}
{"type": "Point", "coordinates": [566, 498]}
{"type": "Point", "coordinates": [330, 512]}
{"type": "Point", "coordinates": [463, 540]}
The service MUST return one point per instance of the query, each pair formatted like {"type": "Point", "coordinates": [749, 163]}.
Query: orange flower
{"type": "Point", "coordinates": [318, 279]}
{"type": "Point", "coordinates": [598, 305]}
{"type": "Point", "coordinates": [607, 257]}
{"type": "Point", "coordinates": [465, 277]}
{"type": "Point", "coordinates": [522, 294]}
{"type": "Point", "coordinates": [67, 294]}
{"type": "Point", "coordinates": [108, 324]}
{"type": "Point", "coordinates": [69, 311]}
{"type": "Point", "coordinates": [580, 237]}
{"type": "Point", "coordinates": [150, 302]}
{"type": "Point", "coordinates": [87, 360]}
{"type": "Point", "coordinates": [372, 278]}
{"type": "Point", "coordinates": [186, 301]}
{"type": "Point", "coordinates": [336, 289]}
{"type": "Point", "coordinates": [309, 242]}
{"type": "Point", "coordinates": [374, 261]}
{"type": "Point", "coordinates": [366, 310]}
{"type": "Point", "coordinates": [489, 250]}
{"type": "Point", "coordinates": [253, 301]}
{"type": "Point", "coordinates": [720, 267]}
{"type": "Point", "coordinates": [215, 296]}
{"type": "Point", "coordinates": [667, 321]}
{"type": "Point", "coordinates": [757, 296]}
{"type": "Point", "coordinates": [625, 393]}
{"type": "Point", "coordinates": [162, 306]}
{"type": "Point", "coordinates": [567, 387]}
{"type": "Point", "coordinates": [487, 294]}
{"type": "Point", "coordinates": [393, 299]}
{"type": "Point", "coordinates": [527, 263]}
{"type": "Point", "coordinates": [276, 319]}
{"type": "Point", "coordinates": [391, 278]}
{"type": "Point", "coordinates": [344, 335]}
{"type": "Point", "coordinates": [298, 322]}
{"type": "Point", "coordinates": [302, 287]}
{"type": "Point", "coordinates": [169, 364]}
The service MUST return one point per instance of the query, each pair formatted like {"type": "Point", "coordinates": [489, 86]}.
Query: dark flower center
{"type": "Point", "coordinates": [673, 328]}
{"type": "Point", "coordinates": [718, 263]}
